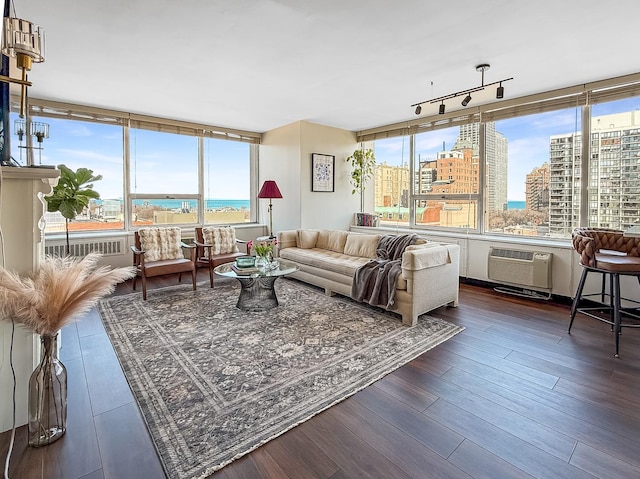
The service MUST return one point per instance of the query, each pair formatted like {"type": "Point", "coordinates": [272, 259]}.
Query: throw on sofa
{"type": "Point", "coordinates": [330, 258]}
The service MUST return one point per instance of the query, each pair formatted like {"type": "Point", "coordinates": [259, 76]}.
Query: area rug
{"type": "Point", "coordinates": [214, 383]}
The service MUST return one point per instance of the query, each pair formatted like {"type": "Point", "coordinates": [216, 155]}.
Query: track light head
{"type": "Point", "coordinates": [466, 100]}
{"type": "Point", "coordinates": [500, 92]}
{"type": "Point", "coordinates": [418, 109]}
{"type": "Point", "coordinates": [441, 110]}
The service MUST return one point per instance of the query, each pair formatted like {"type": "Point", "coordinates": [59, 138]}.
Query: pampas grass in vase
{"type": "Point", "coordinates": [46, 301]}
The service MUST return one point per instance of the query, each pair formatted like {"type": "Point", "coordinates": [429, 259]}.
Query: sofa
{"type": "Point", "coordinates": [329, 259]}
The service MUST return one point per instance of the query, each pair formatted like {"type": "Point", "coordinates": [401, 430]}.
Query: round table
{"type": "Point", "coordinates": [256, 288]}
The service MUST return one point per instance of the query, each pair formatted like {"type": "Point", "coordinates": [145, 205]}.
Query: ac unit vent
{"type": "Point", "coordinates": [530, 269]}
{"type": "Point", "coordinates": [106, 248]}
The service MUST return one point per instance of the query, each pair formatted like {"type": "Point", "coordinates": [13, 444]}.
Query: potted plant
{"type": "Point", "coordinates": [363, 162]}
{"type": "Point", "coordinates": [72, 194]}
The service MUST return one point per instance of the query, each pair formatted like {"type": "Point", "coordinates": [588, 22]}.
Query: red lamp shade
{"type": "Point", "coordinates": [269, 190]}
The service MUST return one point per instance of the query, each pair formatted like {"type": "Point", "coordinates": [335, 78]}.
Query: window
{"type": "Point", "coordinates": [533, 186]}
{"type": "Point", "coordinates": [81, 144]}
{"type": "Point", "coordinates": [446, 186]}
{"type": "Point", "coordinates": [172, 173]}
{"type": "Point", "coordinates": [164, 178]}
{"type": "Point", "coordinates": [614, 194]}
{"type": "Point", "coordinates": [392, 181]}
{"type": "Point", "coordinates": [227, 186]}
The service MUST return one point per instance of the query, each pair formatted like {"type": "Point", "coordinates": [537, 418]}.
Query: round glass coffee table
{"type": "Point", "coordinates": [256, 285]}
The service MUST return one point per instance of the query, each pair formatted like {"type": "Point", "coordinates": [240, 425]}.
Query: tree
{"type": "Point", "coordinates": [363, 163]}
{"type": "Point", "coordinates": [72, 194]}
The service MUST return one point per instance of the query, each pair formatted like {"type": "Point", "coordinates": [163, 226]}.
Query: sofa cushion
{"type": "Point", "coordinates": [223, 239]}
{"type": "Point", "coordinates": [332, 240]}
{"type": "Point", "coordinates": [306, 239]}
{"type": "Point", "coordinates": [363, 245]}
{"type": "Point", "coordinates": [325, 259]}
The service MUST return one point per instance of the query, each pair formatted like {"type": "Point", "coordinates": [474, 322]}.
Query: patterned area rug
{"type": "Point", "coordinates": [214, 383]}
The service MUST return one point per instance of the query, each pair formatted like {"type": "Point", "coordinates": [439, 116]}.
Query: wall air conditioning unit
{"type": "Point", "coordinates": [527, 270]}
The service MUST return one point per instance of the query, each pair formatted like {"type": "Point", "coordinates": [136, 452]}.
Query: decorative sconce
{"type": "Point", "coordinates": [24, 41]}
{"type": "Point", "coordinates": [467, 99]}
{"type": "Point", "coordinates": [36, 128]}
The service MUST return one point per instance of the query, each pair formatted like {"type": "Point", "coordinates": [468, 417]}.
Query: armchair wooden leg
{"type": "Point", "coordinates": [193, 276]}
{"type": "Point", "coordinates": [211, 274]}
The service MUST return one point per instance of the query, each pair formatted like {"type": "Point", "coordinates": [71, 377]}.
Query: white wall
{"type": "Point", "coordinates": [285, 156]}
{"type": "Point", "coordinates": [280, 161]}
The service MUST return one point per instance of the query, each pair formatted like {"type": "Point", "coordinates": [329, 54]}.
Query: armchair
{"type": "Point", "coordinates": [158, 252]}
{"type": "Point", "coordinates": [215, 246]}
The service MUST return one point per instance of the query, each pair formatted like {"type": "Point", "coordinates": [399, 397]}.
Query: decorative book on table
{"type": "Point", "coordinates": [244, 271]}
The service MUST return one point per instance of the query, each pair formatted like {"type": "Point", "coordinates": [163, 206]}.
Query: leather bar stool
{"type": "Point", "coordinates": [609, 253]}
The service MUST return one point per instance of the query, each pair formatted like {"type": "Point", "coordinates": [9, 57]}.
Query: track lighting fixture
{"type": "Point", "coordinates": [467, 93]}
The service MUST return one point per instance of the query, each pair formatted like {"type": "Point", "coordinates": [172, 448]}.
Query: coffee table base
{"type": "Point", "coordinates": [257, 294]}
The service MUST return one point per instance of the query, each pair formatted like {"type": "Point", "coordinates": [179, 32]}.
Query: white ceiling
{"type": "Point", "coordinates": [354, 64]}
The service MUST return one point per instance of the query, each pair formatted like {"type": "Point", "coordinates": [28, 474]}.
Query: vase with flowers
{"type": "Point", "coordinates": [47, 300]}
{"type": "Point", "coordinates": [264, 251]}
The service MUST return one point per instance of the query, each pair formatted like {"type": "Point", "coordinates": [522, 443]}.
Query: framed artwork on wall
{"type": "Point", "coordinates": [322, 172]}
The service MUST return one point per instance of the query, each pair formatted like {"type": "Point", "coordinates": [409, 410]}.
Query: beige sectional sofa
{"type": "Point", "coordinates": [330, 258]}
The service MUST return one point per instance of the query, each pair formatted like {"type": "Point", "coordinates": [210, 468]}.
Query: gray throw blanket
{"type": "Point", "coordinates": [375, 281]}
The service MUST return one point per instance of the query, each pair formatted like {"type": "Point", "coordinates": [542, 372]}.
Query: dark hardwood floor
{"type": "Point", "coordinates": [512, 396]}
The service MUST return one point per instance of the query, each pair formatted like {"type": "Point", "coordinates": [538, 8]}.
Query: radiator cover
{"type": "Point", "coordinates": [82, 248]}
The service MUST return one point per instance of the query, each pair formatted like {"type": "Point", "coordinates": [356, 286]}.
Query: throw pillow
{"type": "Point", "coordinates": [223, 240]}
{"type": "Point", "coordinates": [306, 239]}
{"type": "Point", "coordinates": [161, 243]}
{"type": "Point", "coordinates": [363, 245]}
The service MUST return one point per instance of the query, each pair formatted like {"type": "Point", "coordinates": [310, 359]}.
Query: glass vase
{"type": "Point", "coordinates": [47, 396]}
{"type": "Point", "coordinates": [263, 261]}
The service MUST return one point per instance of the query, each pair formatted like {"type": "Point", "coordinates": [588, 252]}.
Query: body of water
{"type": "Point", "coordinates": [216, 204]}
{"type": "Point", "coordinates": [516, 205]}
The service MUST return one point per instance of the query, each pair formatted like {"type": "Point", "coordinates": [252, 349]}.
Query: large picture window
{"type": "Point", "coordinates": [169, 173]}
{"type": "Point", "coordinates": [446, 177]}
{"type": "Point", "coordinates": [614, 181]}
{"type": "Point", "coordinates": [164, 178]}
{"type": "Point", "coordinates": [534, 178]}
{"type": "Point", "coordinates": [80, 144]}
{"type": "Point", "coordinates": [391, 177]}
{"type": "Point", "coordinates": [227, 181]}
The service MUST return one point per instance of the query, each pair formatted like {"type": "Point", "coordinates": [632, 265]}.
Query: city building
{"type": "Point", "coordinates": [537, 188]}
{"type": "Point", "coordinates": [614, 178]}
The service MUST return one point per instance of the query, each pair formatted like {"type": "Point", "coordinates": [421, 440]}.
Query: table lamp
{"type": "Point", "coordinates": [270, 190]}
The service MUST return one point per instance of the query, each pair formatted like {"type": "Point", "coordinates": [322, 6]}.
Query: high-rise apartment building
{"type": "Point", "coordinates": [614, 189]}
{"type": "Point", "coordinates": [496, 153]}
{"type": "Point", "coordinates": [537, 188]}
{"type": "Point", "coordinates": [391, 185]}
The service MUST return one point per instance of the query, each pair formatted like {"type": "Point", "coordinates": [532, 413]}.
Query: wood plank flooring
{"type": "Point", "coordinates": [512, 396]}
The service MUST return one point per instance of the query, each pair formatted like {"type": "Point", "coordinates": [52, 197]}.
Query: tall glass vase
{"type": "Point", "coordinates": [47, 396]}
